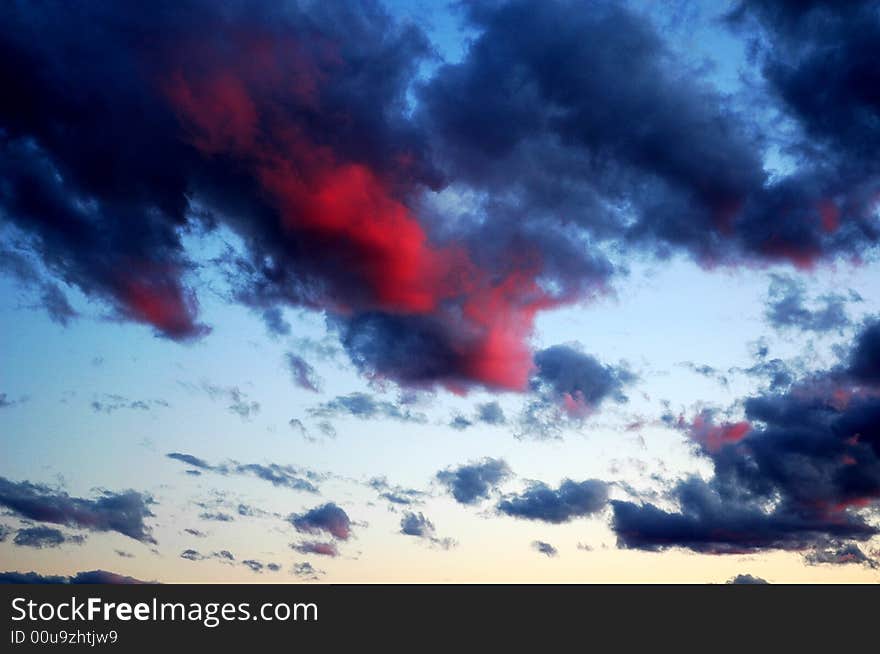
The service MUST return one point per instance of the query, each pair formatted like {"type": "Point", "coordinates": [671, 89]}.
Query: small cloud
{"type": "Point", "coordinates": [746, 579]}
{"type": "Point", "coordinates": [473, 481]}
{"type": "Point", "coordinates": [302, 373]}
{"type": "Point", "coordinates": [544, 548]}
{"type": "Point", "coordinates": [327, 518]}
{"type": "Point", "coordinates": [43, 537]}
{"type": "Point", "coordinates": [315, 547]}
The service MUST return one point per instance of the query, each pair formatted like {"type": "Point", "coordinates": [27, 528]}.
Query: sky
{"type": "Point", "coordinates": [369, 292]}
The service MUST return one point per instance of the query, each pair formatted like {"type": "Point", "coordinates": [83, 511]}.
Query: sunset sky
{"type": "Point", "coordinates": [524, 291]}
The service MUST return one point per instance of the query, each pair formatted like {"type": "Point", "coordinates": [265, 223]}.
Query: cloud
{"type": "Point", "coordinates": [40, 537]}
{"type": "Point", "coordinates": [491, 413]}
{"type": "Point", "coordinates": [17, 264]}
{"type": "Point", "coordinates": [864, 360]}
{"type": "Point", "coordinates": [324, 195]}
{"type": "Point", "coordinates": [216, 516]}
{"type": "Point", "coordinates": [275, 322]}
{"type": "Point", "coordinates": [545, 548]}
{"type": "Point", "coordinates": [365, 407]}
{"type": "Point", "coordinates": [488, 413]}
{"type": "Point", "coordinates": [431, 219]}
{"type": "Point", "coordinates": [5, 402]}
{"type": "Point", "coordinates": [90, 577]}
{"type": "Point", "coordinates": [746, 579]}
{"type": "Point", "coordinates": [327, 518]}
{"type": "Point", "coordinates": [307, 571]}
{"type": "Point", "coordinates": [123, 512]}
{"type": "Point", "coordinates": [472, 482]}
{"type": "Point", "coordinates": [802, 469]}
{"type": "Point", "coordinates": [396, 494]}
{"type": "Point", "coordinates": [282, 476]}
{"type": "Point", "coordinates": [255, 566]}
{"type": "Point", "coordinates": [519, 96]}
{"type": "Point", "coordinates": [787, 307]}
{"type": "Point", "coordinates": [841, 554]}
{"type": "Point", "coordinates": [302, 373]}
{"type": "Point", "coordinates": [112, 402]}
{"type": "Point", "coordinates": [316, 547]}
{"type": "Point", "coordinates": [239, 403]}
{"type": "Point", "coordinates": [567, 387]}
{"type": "Point", "coordinates": [191, 555]}
{"type": "Point", "coordinates": [571, 500]}
{"type": "Point", "coordinates": [578, 379]}
{"type": "Point", "coordinates": [707, 371]}
{"type": "Point", "coordinates": [224, 556]}
{"type": "Point", "coordinates": [712, 437]}
{"type": "Point", "coordinates": [417, 525]}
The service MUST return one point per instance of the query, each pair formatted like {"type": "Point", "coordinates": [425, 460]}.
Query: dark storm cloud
{"type": "Point", "coordinates": [90, 577]}
{"type": "Point", "coordinates": [838, 44]}
{"type": "Point", "coordinates": [835, 43]}
{"type": "Point", "coordinates": [545, 548]}
{"type": "Point", "coordinates": [307, 131]}
{"type": "Point", "coordinates": [113, 150]}
{"type": "Point", "coordinates": [319, 177]}
{"type": "Point", "coordinates": [472, 482]}
{"type": "Point", "coordinates": [520, 95]}
{"type": "Point", "coordinates": [788, 307]}
{"type": "Point", "coordinates": [283, 476]}
{"type": "Point", "coordinates": [123, 512]}
{"type": "Point", "coordinates": [365, 407]}
{"type": "Point", "coordinates": [801, 470]}
{"type": "Point", "coordinates": [571, 500]}
{"type": "Point", "coordinates": [40, 537]}
{"type": "Point", "coordinates": [864, 362]}
{"type": "Point", "coordinates": [746, 579]}
{"type": "Point", "coordinates": [302, 373]}
{"type": "Point", "coordinates": [327, 518]}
